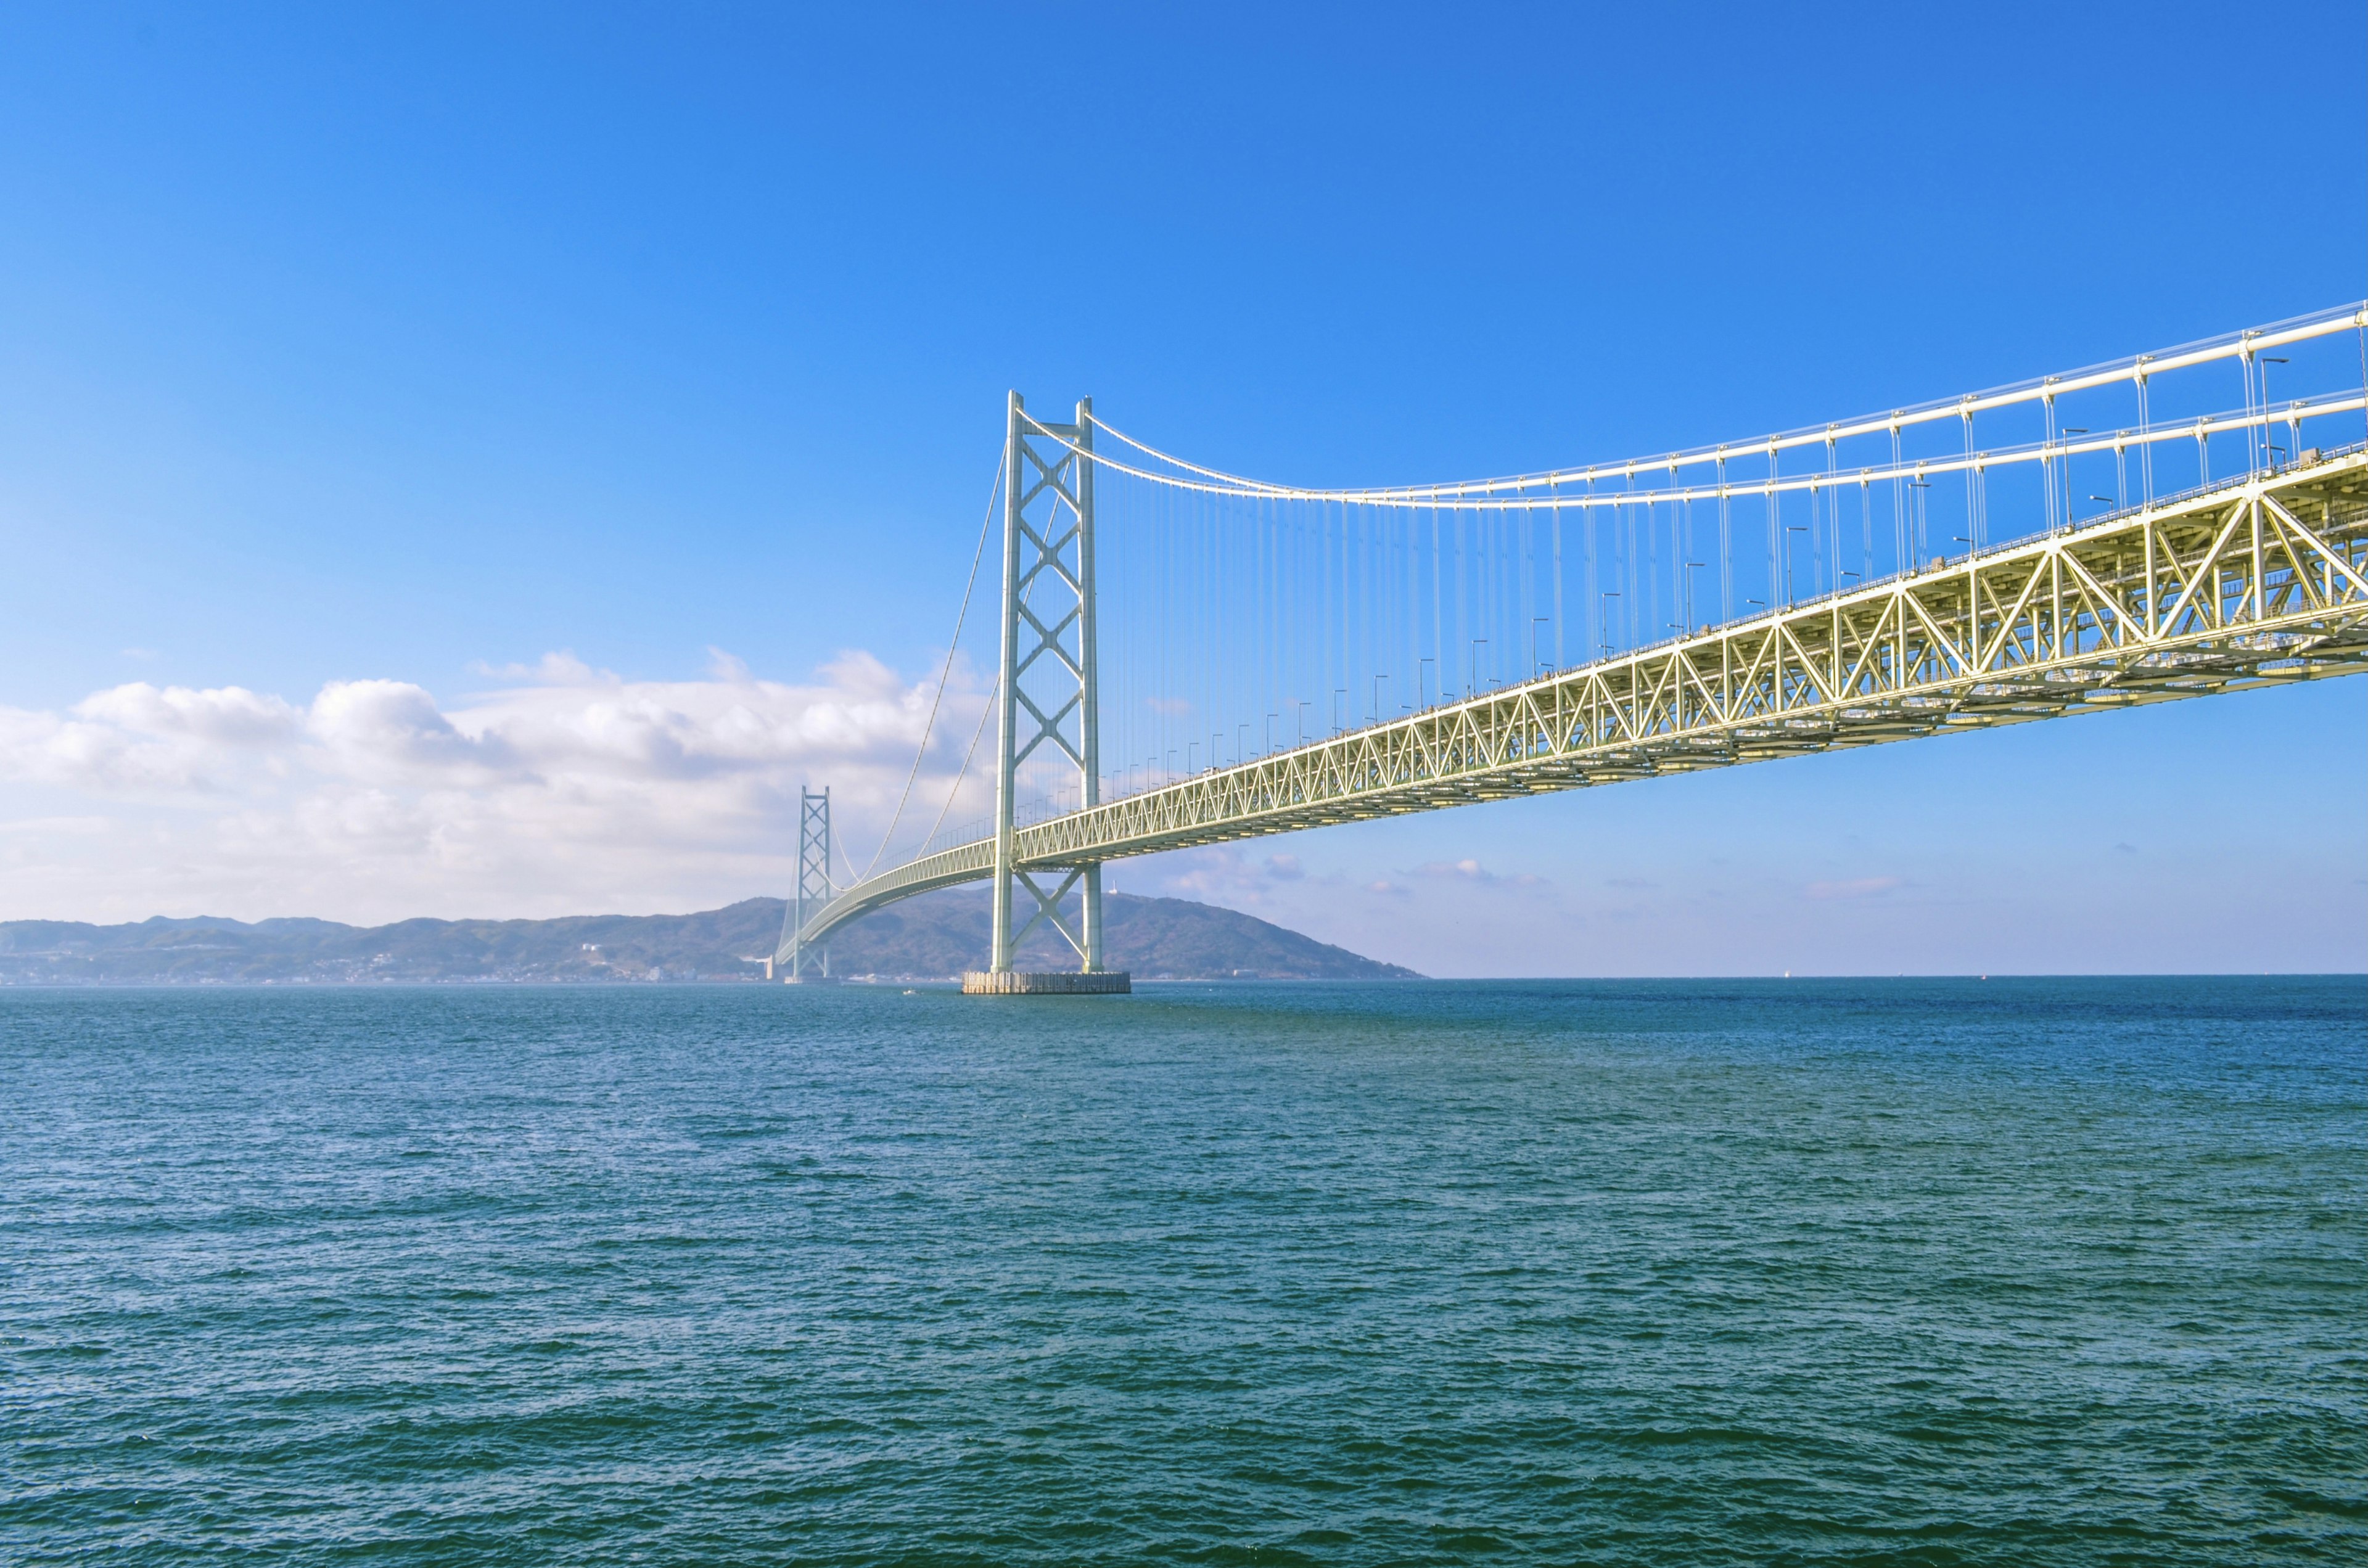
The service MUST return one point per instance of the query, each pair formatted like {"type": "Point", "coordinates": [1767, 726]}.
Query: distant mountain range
{"type": "Point", "coordinates": [935, 937]}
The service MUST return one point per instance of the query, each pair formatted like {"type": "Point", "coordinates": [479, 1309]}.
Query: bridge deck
{"type": "Point", "coordinates": [2256, 581]}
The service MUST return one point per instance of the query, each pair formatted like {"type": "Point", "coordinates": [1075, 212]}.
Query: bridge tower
{"type": "Point", "coordinates": [1049, 639]}
{"type": "Point", "coordinates": [809, 964]}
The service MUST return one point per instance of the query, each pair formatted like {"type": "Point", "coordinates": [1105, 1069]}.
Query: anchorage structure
{"type": "Point", "coordinates": [2254, 577]}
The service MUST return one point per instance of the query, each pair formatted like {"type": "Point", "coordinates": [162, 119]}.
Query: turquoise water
{"type": "Point", "coordinates": [1915, 1272]}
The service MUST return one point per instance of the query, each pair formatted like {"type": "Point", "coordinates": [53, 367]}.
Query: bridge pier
{"type": "Point", "coordinates": [1063, 982]}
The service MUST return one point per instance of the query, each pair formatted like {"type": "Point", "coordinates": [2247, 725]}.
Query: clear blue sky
{"type": "Point", "coordinates": [393, 342]}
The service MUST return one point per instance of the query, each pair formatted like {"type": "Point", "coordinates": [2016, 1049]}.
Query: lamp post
{"type": "Point", "coordinates": [2070, 430]}
{"type": "Point", "coordinates": [2268, 361]}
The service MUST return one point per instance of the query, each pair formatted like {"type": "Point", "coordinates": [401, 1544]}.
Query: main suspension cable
{"type": "Point", "coordinates": [953, 646]}
{"type": "Point", "coordinates": [994, 694]}
{"type": "Point", "coordinates": [2241, 345]}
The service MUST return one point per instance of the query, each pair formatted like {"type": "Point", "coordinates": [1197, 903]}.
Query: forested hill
{"type": "Point", "coordinates": [935, 937]}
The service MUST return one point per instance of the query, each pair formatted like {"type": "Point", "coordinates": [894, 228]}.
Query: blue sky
{"type": "Point", "coordinates": [386, 348]}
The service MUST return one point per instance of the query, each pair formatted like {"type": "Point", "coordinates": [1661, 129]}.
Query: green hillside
{"type": "Point", "coordinates": [935, 937]}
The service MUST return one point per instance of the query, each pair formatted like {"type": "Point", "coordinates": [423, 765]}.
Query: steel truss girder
{"type": "Point", "coordinates": [2260, 581]}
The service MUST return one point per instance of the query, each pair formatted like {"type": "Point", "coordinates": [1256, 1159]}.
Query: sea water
{"type": "Point", "coordinates": [2014, 1271]}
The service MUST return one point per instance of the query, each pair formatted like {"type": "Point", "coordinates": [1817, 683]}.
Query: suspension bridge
{"type": "Point", "coordinates": [1166, 631]}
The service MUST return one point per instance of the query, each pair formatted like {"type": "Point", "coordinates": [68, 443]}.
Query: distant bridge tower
{"type": "Point", "coordinates": [1049, 639]}
{"type": "Point", "coordinates": [808, 963]}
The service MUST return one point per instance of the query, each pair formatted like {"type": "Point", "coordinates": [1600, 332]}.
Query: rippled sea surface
{"type": "Point", "coordinates": [1899, 1271]}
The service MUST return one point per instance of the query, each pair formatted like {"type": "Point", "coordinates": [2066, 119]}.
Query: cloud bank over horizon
{"type": "Point", "coordinates": [558, 790]}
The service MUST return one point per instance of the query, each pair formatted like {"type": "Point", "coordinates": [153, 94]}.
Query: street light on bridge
{"type": "Point", "coordinates": [2293, 427]}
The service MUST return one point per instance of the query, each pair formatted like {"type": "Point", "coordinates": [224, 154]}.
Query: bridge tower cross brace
{"type": "Point", "coordinates": [1049, 636]}
{"type": "Point", "coordinates": [813, 882]}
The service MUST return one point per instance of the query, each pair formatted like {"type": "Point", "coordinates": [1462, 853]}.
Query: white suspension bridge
{"type": "Point", "coordinates": [1940, 568]}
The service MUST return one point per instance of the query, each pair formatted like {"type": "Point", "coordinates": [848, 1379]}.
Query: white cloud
{"type": "Point", "coordinates": [564, 789]}
{"type": "Point", "coordinates": [560, 668]}
{"type": "Point", "coordinates": [82, 825]}
{"type": "Point", "coordinates": [1860, 887]}
{"type": "Point", "coordinates": [142, 738]}
{"type": "Point", "coordinates": [229, 715]}
{"type": "Point", "coordinates": [390, 729]}
{"type": "Point", "coordinates": [1229, 874]}
{"type": "Point", "coordinates": [1471, 870]}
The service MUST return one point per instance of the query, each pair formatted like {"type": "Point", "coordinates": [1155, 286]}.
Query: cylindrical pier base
{"type": "Point", "coordinates": [1011, 982]}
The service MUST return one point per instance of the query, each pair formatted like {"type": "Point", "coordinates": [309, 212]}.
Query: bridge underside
{"type": "Point", "coordinates": [2256, 581]}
